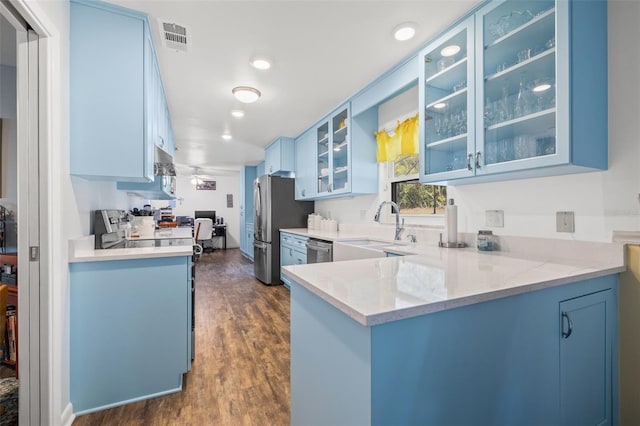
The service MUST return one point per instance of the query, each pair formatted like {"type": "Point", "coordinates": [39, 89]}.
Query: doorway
{"type": "Point", "coordinates": [20, 182]}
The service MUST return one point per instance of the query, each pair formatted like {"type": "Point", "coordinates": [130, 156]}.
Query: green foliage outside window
{"type": "Point", "coordinates": [413, 197]}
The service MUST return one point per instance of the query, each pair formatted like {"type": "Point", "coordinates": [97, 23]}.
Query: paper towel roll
{"type": "Point", "coordinates": [451, 222]}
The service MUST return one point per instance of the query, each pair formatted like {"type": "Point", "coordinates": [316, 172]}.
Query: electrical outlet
{"type": "Point", "coordinates": [565, 222]}
{"type": "Point", "coordinates": [494, 218]}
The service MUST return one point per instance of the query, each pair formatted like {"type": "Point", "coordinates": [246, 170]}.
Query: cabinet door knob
{"type": "Point", "coordinates": [469, 160]}
{"type": "Point", "coordinates": [566, 334]}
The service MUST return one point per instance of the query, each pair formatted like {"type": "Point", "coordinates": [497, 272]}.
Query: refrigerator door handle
{"type": "Point", "coordinates": [256, 203]}
{"type": "Point", "coordinates": [259, 244]}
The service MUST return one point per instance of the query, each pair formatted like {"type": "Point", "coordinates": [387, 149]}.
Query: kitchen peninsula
{"type": "Point", "coordinates": [131, 322]}
{"type": "Point", "coordinates": [457, 337]}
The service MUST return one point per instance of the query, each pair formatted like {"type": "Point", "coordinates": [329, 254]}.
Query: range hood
{"type": "Point", "coordinates": [163, 164]}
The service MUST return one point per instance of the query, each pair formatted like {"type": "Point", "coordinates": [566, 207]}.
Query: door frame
{"type": "Point", "coordinates": [33, 73]}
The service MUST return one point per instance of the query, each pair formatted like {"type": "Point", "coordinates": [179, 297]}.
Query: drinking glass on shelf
{"type": "Point", "coordinates": [505, 109]}
{"type": "Point", "coordinates": [437, 125]}
{"type": "Point", "coordinates": [444, 63]}
{"type": "Point", "coordinates": [523, 55]}
{"type": "Point", "coordinates": [491, 152]}
{"type": "Point", "coordinates": [489, 112]}
{"type": "Point", "coordinates": [505, 150]}
{"type": "Point", "coordinates": [459, 158]}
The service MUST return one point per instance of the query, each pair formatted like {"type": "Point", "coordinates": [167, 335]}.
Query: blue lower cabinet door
{"type": "Point", "coordinates": [585, 359]}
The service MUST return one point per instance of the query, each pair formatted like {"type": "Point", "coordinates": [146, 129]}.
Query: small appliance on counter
{"type": "Point", "coordinates": [110, 228]}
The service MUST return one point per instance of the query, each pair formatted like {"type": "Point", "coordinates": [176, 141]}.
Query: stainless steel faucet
{"type": "Point", "coordinates": [399, 229]}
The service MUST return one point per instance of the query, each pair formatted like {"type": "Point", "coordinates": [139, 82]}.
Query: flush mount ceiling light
{"type": "Point", "coordinates": [246, 94]}
{"type": "Point", "coordinates": [237, 113]}
{"type": "Point", "coordinates": [260, 63]}
{"type": "Point", "coordinates": [404, 31]}
{"type": "Point", "coordinates": [450, 50]}
{"type": "Point", "coordinates": [440, 105]}
{"type": "Point", "coordinates": [226, 136]}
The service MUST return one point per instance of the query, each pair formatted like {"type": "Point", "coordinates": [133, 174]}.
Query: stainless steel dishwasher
{"type": "Point", "coordinates": [319, 251]}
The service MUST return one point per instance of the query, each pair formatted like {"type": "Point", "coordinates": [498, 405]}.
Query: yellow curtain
{"type": "Point", "coordinates": [403, 142]}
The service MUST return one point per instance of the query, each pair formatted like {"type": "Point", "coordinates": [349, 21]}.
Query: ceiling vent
{"type": "Point", "coordinates": [174, 36]}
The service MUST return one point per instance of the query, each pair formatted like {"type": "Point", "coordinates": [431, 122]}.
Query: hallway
{"type": "Point", "coordinates": [240, 375]}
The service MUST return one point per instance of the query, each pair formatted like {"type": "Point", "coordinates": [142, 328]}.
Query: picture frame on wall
{"type": "Point", "coordinates": [206, 185]}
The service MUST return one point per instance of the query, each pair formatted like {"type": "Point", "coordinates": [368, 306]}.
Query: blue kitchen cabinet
{"type": "Point", "coordinates": [162, 188]}
{"type": "Point", "coordinates": [247, 177]}
{"type": "Point", "coordinates": [536, 101]}
{"type": "Point", "coordinates": [130, 330]}
{"type": "Point", "coordinates": [249, 240]}
{"type": "Point", "coordinates": [306, 180]}
{"type": "Point", "coordinates": [345, 154]}
{"type": "Point", "coordinates": [279, 157]}
{"type": "Point", "coordinates": [392, 83]}
{"type": "Point", "coordinates": [585, 359]}
{"type": "Point", "coordinates": [110, 53]}
{"type": "Point", "coordinates": [447, 103]}
{"type": "Point", "coordinates": [293, 251]}
{"type": "Point", "coordinates": [499, 362]}
{"type": "Point", "coordinates": [260, 168]}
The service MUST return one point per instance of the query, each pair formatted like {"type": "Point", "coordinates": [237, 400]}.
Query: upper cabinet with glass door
{"type": "Point", "coordinates": [344, 149]}
{"type": "Point", "coordinates": [540, 94]}
{"type": "Point", "coordinates": [447, 104]}
{"type": "Point", "coordinates": [518, 91]}
{"type": "Point", "coordinates": [332, 137]}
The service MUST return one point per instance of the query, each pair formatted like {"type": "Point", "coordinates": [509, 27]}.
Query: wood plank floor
{"type": "Point", "coordinates": [240, 375]}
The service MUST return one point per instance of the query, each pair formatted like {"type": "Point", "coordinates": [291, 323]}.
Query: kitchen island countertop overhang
{"type": "Point", "coordinates": [376, 291]}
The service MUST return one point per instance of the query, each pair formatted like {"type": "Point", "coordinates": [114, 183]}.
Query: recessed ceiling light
{"type": "Point", "coordinates": [450, 50]}
{"type": "Point", "coordinates": [246, 94]}
{"type": "Point", "coordinates": [226, 136]}
{"type": "Point", "coordinates": [440, 105]}
{"type": "Point", "coordinates": [404, 31]}
{"type": "Point", "coordinates": [260, 63]}
{"type": "Point", "coordinates": [542, 87]}
{"type": "Point", "coordinates": [237, 113]}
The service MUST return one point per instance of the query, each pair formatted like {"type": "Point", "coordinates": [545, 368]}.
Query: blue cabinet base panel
{"type": "Point", "coordinates": [500, 362]}
{"type": "Point", "coordinates": [130, 401]}
{"type": "Point", "coordinates": [130, 330]}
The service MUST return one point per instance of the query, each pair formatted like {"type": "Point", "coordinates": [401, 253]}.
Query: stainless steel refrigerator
{"type": "Point", "coordinates": [275, 208]}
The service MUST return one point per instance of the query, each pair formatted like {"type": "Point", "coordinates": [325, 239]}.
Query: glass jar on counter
{"type": "Point", "coordinates": [486, 241]}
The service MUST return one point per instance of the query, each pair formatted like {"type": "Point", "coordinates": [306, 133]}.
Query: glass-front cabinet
{"type": "Point", "coordinates": [517, 57]}
{"type": "Point", "coordinates": [518, 86]}
{"type": "Point", "coordinates": [447, 104]}
{"type": "Point", "coordinates": [332, 140]}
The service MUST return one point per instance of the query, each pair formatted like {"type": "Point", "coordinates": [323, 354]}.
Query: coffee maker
{"type": "Point", "coordinates": [110, 228]}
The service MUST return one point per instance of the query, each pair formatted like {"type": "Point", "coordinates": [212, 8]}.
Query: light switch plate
{"type": "Point", "coordinates": [494, 218]}
{"type": "Point", "coordinates": [565, 222]}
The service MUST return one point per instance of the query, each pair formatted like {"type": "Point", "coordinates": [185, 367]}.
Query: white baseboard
{"type": "Point", "coordinates": [67, 417]}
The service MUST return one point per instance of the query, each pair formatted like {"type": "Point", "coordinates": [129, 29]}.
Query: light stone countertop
{"type": "Point", "coordinates": [166, 233]}
{"type": "Point", "coordinates": [325, 235]}
{"type": "Point", "coordinates": [82, 250]}
{"type": "Point", "coordinates": [375, 291]}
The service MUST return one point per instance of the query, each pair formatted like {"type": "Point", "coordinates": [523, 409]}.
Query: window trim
{"type": "Point", "coordinates": [391, 179]}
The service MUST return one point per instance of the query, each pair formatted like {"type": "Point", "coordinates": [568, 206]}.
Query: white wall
{"type": "Point", "coordinates": [190, 200]}
{"type": "Point", "coordinates": [602, 201]}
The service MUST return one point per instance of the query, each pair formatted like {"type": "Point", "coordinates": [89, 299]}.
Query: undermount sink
{"type": "Point", "coordinates": [373, 243]}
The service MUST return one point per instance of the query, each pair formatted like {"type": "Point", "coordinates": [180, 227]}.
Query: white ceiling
{"type": "Point", "coordinates": [322, 52]}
